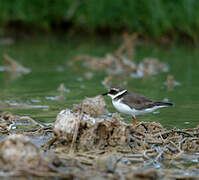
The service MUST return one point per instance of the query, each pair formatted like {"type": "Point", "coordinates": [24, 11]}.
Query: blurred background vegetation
{"type": "Point", "coordinates": [150, 18]}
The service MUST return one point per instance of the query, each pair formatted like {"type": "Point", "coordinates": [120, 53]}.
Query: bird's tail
{"type": "Point", "coordinates": [158, 103]}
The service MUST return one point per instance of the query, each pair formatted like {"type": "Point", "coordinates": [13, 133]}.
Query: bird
{"type": "Point", "coordinates": [133, 104]}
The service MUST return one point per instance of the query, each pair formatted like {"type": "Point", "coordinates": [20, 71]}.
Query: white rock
{"type": "Point", "coordinates": [66, 120]}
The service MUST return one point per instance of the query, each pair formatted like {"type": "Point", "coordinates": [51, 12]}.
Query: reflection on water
{"type": "Point", "coordinates": [49, 61]}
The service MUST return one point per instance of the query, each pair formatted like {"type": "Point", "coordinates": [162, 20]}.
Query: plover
{"type": "Point", "coordinates": [133, 104]}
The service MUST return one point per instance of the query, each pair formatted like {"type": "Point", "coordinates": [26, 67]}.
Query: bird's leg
{"type": "Point", "coordinates": [134, 121]}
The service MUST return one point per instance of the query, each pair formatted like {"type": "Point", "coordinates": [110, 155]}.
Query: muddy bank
{"type": "Point", "coordinates": [97, 131]}
{"type": "Point", "coordinates": [87, 142]}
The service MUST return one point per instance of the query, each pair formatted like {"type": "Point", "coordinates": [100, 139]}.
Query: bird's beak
{"type": "Point", "coordinates": [105, 94]}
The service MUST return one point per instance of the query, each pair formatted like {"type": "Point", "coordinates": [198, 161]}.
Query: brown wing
{"type": "Point", "coordinates": [137, 101]}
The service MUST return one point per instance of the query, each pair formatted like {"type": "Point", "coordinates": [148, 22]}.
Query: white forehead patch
{"type": "Point", "coordinates": [115, 89]}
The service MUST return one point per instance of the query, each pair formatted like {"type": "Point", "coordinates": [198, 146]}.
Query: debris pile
{"type": "Point", "coordinates": [12, 68]}
{"type": "Point", "coordinates": [121, 63]}
{"type": "Point", "coordinates": [171, 83]}
{"type": "Point", "coordinates": [17, 151]}
{"type": "Point", "coordinates": [6, 121]}
{"type": "Point", "coordinates": [9, 121]}
{"type": "Point", "coordinates": [93, 106]}
{"type": "Point", "coordinates": [62, 91]}
{"type": "Point", "coordinates": [15, 66]}
{"type": "Point", "coordinates": [90, 144]}
{"type": "Point", "coordinates": [111, 134]}
{"type": "Point", "coordinates": [122, 66]}
{"type": "Point", "coordinates": [150, 66]}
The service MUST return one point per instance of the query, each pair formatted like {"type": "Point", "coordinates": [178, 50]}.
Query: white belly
{"type": "Point", "coordinates": [123, 108]}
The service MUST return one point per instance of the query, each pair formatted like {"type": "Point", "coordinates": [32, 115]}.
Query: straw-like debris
{"type": "Point", "coordinates": [91, 145]}
{"type": "Point", "coordinates": [6, 121]}
{"type": "Point", "coordinates": [171, 83]}
{"type": "Point", "coordinates": [111, 134]}
{"type": "Point", "coordinates": [108, 145]}
{"type": "Point", "coordinates": [15, 66]}
{"type": "Point", "coordinates": [9, 121]}
{"type": "Point", "coordinates": [12, 68]}
{"type": "Point", "coordinates": [121, 63]}
{"type": "Point", "coordinates": [105, 133]}
{"type": "Point", "coordinates": [150, 66]}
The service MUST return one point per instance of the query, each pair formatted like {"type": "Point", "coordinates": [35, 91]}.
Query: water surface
{"type": "Point", "coordinates": [49, 60]}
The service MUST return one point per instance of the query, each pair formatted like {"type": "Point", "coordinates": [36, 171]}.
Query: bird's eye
{"type": "Point", "coordinates": [113, 91]}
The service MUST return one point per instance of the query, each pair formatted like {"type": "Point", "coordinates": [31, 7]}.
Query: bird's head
{"type": "Point", "coordinates": [114, 92]}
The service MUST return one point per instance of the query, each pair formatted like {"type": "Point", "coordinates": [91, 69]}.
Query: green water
{"type": "Point", "coordinates": [47, 55]}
